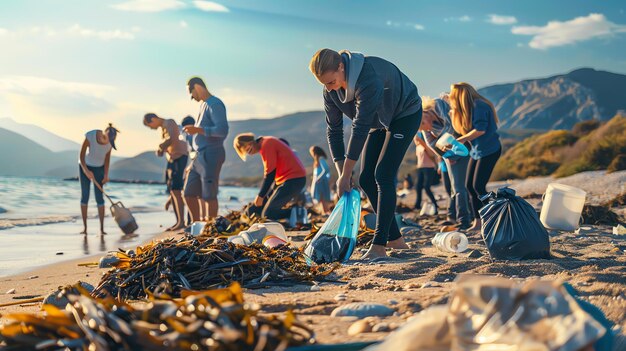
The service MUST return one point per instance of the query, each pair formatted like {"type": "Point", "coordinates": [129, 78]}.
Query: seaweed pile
{"type": "Point", "coordinates": [231, 224]}
{"type": "Point", "coordinates": [216, 320]}
{"type": "Point", "coordinates": [172, 266]}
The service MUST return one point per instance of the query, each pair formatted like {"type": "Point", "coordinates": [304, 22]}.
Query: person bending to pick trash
{"type": "Point", "coordinates": [93, 166]}
{"type": "Point", "coordinates": [385, 110]}
{"type": "Point", "coordinates": [280, 166]}
{"type": "Point", "coordinates": [175, 149]}
{"type": "Point", "coordinates": [476, 120]}
{"type": "Point", "coordinates": [209, 132]}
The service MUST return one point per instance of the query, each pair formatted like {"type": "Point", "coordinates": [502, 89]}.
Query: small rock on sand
{"type": "Point", "coordinates": [359, 327]}
{"type": "Point", "coordinates": [59, 253]}
{"type": "Point", "coordinates": [380, 327]}
{"type": "Point", "coordinates": [362, 310]}
{"type": "Point", "coordinates": [341, 297]}
{"type": "Point", "coordinates": [10, 291]}
{"type": "Point", "coordinates": [316, 288]}
{"type": "Point", "coordinates": [33, 277]}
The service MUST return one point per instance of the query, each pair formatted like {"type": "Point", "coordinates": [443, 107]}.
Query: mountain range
{"type": "Point", "coordinates": [524, 107]}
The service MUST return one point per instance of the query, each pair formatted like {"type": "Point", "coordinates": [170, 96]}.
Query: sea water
{"type": "Point", "coordinates": [40, 219]}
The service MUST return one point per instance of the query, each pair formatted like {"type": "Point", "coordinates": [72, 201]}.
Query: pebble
{"type": "Point", "coordinates": [341, 297]}
{"type": "Point", "coordinates": [59, 253]}
{"type": "Point", "coordinates": [10, 291]}
{"type": "Point", "coordinates": [359, 327]}
{"type": "Point", "coordinates": [53, 299]}
{"type": "Point", "coordinates": [362, 310]}
{"type": "Point", "coordinates": [411, 286]}
{"type": "Point", "coordinates": [428, 285]}
{"type": "Point", "coordinates": [316, 288]}
{"type": "Point", "coordinates": [392, 302]}
{"type": "Point", "coordinates": [380, 327]}
{"type": "Point", "coordinates": [33, 277]}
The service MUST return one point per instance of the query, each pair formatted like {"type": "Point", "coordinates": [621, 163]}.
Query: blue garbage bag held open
{"type": "Point", "coordinates": [336, 240]}
{"type": "Point", "coordinates": [511, 228]}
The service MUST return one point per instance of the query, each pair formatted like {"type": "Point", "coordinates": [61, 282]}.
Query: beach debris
{"type": "Point", "coordinates": [108, 261]}
{"type": "Point", "coordinates": [231, 224]}
{"type": "Point", "coordinates": [59, 253]}
{"type": "Point", "coordinates": [450, 242]}
{"type": "Point", "coordinates": [429, 285]}
{"type": "Point", "coordinates": [619, 230]}
{"type": "Point", "coordinates": [33, 277]}
{"type": "Point", "coordinates": [600, 215]}
{"type": "Point", "coordinates": [59, 299]}
{"type": "Point", "coordinates": [362, 310]}
{"type": "Point", "coordinates": [10, 291]}
{"type": "Point", "coordinates": [316, 288]}
{"type": "Point", "coordinates": [470, 321]}
{"type": "Point", "coordinates": [217, 320]}
{"type": "Point", "coordinates": [359, 327]}
{"type": "Point", "coordinates": [171, 266]}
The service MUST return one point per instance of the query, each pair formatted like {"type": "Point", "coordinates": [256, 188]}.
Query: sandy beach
{"type": "Point", "coordinates": [592, 260]}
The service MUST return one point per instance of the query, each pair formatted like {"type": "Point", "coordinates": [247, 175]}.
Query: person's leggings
{"type": "Point", "coordinates": [382, 156]}
{"type": "Point", "coordinates": [98, 173]}
{"type": "Point", "coordinates": [283, 193]}
{"type": "Point", "coordinates": [478, 174]}
{"type": "Point", "coordinates": [425, 178]}
{"type": "Point", "coordinates": [445, 179]}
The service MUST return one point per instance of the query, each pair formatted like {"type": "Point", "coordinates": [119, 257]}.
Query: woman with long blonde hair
{"type": "Point", "coordinates": [475, 119]}
{"type": "Point", "coordinates": [386, 111]}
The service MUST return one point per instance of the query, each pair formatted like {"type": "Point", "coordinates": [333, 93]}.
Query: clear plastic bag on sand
{"type": "Point", "coordinates": [335, 241]}
{"type": "Point", "coordinates": [487, 313]}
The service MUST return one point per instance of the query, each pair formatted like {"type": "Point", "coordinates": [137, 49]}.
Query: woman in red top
{"type": "Point", "coordinates": [281, 166]}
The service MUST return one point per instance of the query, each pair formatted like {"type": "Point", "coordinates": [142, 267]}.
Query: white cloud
{"type": "Point", "coordinates": [45, 96]}
{"type": "Point", "coordinates": [464, 18]}
{"type": "Point", "coordinates": [557, 33]}
{"type": "Point", "coordinates": [501, 20]}
{"type": "Point", "coordinates": [149, 5]}
{"type": "Point", "coordinates": [47, 31]}
{"type": "Point", "coordinates": [4, 31]}
{"type": "Point", "coordinates": [184, 24]}
{"type": "Point", "coordinates": [210, 6]}
{"type": "Point", "coordinates": [102, 34]}
{"type": "Point", "coordinates": [394, 24]}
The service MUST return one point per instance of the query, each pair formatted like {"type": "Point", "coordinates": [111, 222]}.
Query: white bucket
{"type": "Point", "coordinates": [450, 242]}
{"type": "Point", "coordinates": [562, 207]}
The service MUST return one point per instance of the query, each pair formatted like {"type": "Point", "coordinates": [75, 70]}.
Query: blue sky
{"type": "Point", "coordinates": [72, 66]}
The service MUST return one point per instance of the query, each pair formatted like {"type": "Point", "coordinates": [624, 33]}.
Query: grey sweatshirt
{"type": "Point", "coordinates": [378, 93]}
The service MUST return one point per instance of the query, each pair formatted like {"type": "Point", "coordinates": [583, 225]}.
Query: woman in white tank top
{"type": "Point", "coordinates": [93, 162]}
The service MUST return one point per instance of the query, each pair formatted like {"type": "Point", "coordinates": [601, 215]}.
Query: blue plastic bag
{"type": "Point", "coordinates": [336, 240]}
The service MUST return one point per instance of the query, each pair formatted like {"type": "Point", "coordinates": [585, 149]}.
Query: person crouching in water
{"type": "Point", "coordinates": [94, 159]}
{"type": "Point", "coordinates": [175, 149]}
{"type": "Point", "coordinates": [476, 120]}
{"type": "Point", "coordinates": [280, 166]}
{"type": "Point", "coordinates": [386, 111]}
{"type": "Point", "coordinates": [320, 184]}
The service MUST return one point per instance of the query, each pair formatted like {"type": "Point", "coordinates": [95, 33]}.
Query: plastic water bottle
{"type": "Point", "coordinates": [450, 242]}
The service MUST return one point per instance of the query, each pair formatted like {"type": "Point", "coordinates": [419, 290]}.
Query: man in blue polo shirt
{"type": "Point", "coordinates": [208, 133]}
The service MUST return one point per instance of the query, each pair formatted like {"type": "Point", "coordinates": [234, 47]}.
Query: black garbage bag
{"type": "Point", "coordinates": [511, 228]}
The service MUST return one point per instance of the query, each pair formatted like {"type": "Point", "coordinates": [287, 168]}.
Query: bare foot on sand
{"type": "Point", "coordinates": [102, 232]}
{"type": "Point", "coordinates": [398, 244]}
{"type": "Point", "coordinates": [476, 226]}
{"type": "Point", "coordinates": [177, 226]}
{"type": "Point", "coordinates": [84, 231]}
{"type": "Point", "coordinates": [374, 252]}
